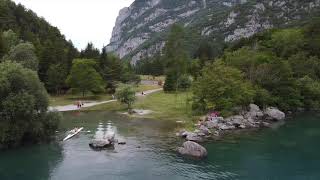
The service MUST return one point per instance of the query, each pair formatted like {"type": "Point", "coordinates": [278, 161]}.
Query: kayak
{"type": "Point", "coordinates": [73, 134]}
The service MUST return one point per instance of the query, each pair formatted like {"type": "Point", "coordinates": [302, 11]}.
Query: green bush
{"type": "Point", "coordinates": [221, 88]}
{"type": "Point", "coordinates": [126, 95]}
{"type": "Point", "coordinates": [23, 107]}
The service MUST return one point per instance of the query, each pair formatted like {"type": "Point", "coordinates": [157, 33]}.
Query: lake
{"type": "Point", "coordinates": [290, 152]}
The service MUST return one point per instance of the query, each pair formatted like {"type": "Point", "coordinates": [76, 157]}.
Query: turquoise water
{"type": "Point", "coordinates": [291, 152]}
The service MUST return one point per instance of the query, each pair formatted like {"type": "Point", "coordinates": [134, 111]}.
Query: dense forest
{"type": "Point", "coordinates": [278, 67]}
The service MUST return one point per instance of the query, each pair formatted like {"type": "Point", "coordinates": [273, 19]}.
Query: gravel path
{"type": "Point", "coordinates": [94, 103]}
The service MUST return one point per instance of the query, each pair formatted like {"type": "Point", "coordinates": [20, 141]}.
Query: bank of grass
{"type": "Point", "coordinates": [166, 106]}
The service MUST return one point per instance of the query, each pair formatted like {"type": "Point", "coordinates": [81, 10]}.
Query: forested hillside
{"type": "Point", "coordinates": [51, 47]}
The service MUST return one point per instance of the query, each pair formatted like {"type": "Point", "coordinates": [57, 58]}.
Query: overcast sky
{"type": "Point", "coordinates": [82, 21]}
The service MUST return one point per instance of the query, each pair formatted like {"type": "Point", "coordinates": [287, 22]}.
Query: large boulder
{"type": "Point", "coordinates": [254, 108]}
{"type": "Point", "coordinates": [275, 114]}
{"type": "Point", "coordinates": [211, 124]}
{"type": "Point", "coordinates": [194, 137]}
{"type": "Point", "coordinates": [254, 112]}
{"type": "Point", "coordinates": [236, 120]}
{"type": "Point", "coordinates": [193, 149]}
{"type": "Point", "coordinates": [100, 144]}
{"type": "Point", "coordinates": [203, 129]}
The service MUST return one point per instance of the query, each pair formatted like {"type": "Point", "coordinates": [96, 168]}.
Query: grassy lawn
{"type": "Point", "coordinates": [164, 106]}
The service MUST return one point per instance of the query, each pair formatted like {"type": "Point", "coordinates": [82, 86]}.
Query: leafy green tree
{"type": "Point", "coordinates": [175, 56]}
{"type": "Point", "coordinates": [248, 61]}
{"type": "Point", "coordinates": [171, 82]}
{"type": "Point", "coordinates": [111, 69]}
{"type": "Point", "coordinates": [57, 75]}
{"type": "Point", "coordinates": [3, 48]}
{"type": "Point", "coordinates": [150, 66]}
{"type": "Point", "coordinates": [310, 90]}
{"type": "Point", "coordinates": [24, 53]}
{"type": "Point", "coordinates": [312, 35]}
{"type": "Point", "coordinates": [126, 95]}
{"type": "Point", "coordinates": [302, 65]}
{"type": "Point", "coordinates": [221, 88]}
{"type": "Point", "coordinates": [24, 116]}
{"type": "Point", "coordinates": [205, 53]}
{"type": "Point", "coordinates": [287, 42]}
{"type": "Point", "coordinates": [90, 52]}
{"type": "Point", "coordinates": [184, 82]}
{"type": "Point", "coordinates": [195, 68]}
{"type": "Point", "coordinates": [282, 85]}
{"type": "Point", "coordinates": [84, 77]}
{"type": "Point", "coordinates": [10, 38]}
{"type": "Point", "coordinates": [263, 97]}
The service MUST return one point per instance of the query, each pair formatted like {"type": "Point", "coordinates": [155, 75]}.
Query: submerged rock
{"type": "Point", "coordinates": [122, 142]}
{"type": "Point", "coordinates": [275, 114]}
{"type": "Point", "coordinates": [193, 149]}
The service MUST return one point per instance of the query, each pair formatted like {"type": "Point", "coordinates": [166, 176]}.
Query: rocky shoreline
{"type": "Point", "coordinates": [214, 127]}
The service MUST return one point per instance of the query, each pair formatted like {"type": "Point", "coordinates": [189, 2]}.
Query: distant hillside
{"type": "Point", "coordinates": [51, 46]}
{"type": "Point", "coordinates": [141, 29]}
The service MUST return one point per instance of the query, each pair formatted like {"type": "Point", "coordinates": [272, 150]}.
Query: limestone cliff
{"type": "Point", "coordinates": [140, 29]}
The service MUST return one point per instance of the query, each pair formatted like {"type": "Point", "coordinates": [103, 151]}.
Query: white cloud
{"type": "Point", "coordinates": [81, 21]}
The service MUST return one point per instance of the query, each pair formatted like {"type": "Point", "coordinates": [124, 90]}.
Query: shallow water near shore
{"type": "Point", "coordinates": [291, 152]}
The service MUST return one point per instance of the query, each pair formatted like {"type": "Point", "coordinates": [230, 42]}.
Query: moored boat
{"type": "Point", "coordinates": [73, 133]}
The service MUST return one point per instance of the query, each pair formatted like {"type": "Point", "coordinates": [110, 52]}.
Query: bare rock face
{"type": "Point", "coordinates": [140, 28]}
{"type": "Point", "coordinates": [193, 149]}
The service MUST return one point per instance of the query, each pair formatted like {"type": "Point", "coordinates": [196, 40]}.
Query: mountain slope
{"type": "Point", "coordinates": [140, 29]}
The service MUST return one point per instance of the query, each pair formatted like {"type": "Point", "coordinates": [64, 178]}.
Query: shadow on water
{"type": "Point", "coordinates": [32, 162]}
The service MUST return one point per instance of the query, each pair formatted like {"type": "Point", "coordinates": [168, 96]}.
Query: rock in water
{"type": "Point", "coordinates": [100, 144]}
{"type": "Point", "coordinates": [193, 149]}
{"type": "Point", "coordinates": [275, 114]}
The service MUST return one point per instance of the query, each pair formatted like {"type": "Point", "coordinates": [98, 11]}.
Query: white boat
{"type": "Point", "coordinates": [73, 134]}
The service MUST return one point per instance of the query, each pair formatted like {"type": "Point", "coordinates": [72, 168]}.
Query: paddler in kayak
{"type": "Point", "coordinates": [74, 130]}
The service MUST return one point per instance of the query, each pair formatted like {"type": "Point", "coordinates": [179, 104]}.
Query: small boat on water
{"type": "Point", "coordinates": [73, 133]}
